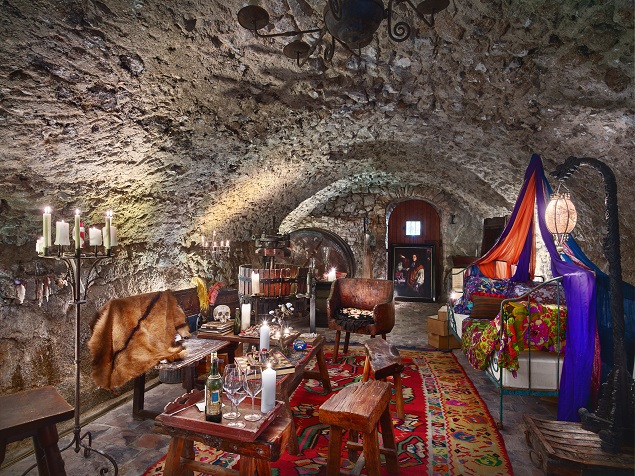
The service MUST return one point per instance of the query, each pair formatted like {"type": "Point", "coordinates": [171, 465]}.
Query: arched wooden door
{"type": "Point", "coordinates": [414, 247]}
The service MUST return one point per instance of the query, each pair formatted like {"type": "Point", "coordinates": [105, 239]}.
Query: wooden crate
{"type": "Point", "coordinates": [443, 342]}
{"type": "Point", "coordinates": [565, 448]}
{"type": "Point", "coordinates": [435, 326]}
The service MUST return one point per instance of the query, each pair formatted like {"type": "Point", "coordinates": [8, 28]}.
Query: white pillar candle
{"type": "Point", "coordinates": [39, 245]}
{"type": "Point", "coordinates": [46, 227]}
{"type": "Point", "coordinates": [76, 231]}
{"type": "Point", "coordinates": [265, 333]}
{"type": "Point", "coordinates": [268, 397]}
{"type": "Point", "coordinates": [113, 236]}
{"type": "Point", "coordinates": [94, 236]}
{"type": "Point", "coordinates": [61, 233]}
{"type": "Point", "coordinates": [255, 283]}
{"type": "Point", "coordinates": [331, 276]}
{"type": "Point", "coordinates": [106, 230]}
{"type": "Point", "coordinates": [245, 316]}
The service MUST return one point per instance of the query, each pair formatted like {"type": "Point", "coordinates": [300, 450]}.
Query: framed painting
{"type": "Point", "coordinates": [413, 272]}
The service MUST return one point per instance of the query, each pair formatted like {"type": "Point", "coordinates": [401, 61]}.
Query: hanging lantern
{"type": "Point", "coordinates": [560, 217]}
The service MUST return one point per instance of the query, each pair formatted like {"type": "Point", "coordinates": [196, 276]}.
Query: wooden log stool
{"type": "Point", "coordinates": [384, 361]}
{"type": "Point", "coordinates": [358, 408]}
{"type": "Point", "coordinates": [35, 413]}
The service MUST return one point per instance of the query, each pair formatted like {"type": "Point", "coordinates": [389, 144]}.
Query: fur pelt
{"type": "Point", "coordinates": [132, 334]}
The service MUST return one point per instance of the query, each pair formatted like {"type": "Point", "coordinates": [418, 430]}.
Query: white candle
{"type": "Point", "coordinates": [94, 236]}
{"type": "Point", "coordinates": [255, 283]}
{"type": "Point", "coordinates": [106, 230]}
{"type": "Point", "coordinates": [113, 236]}
{"type": "Point", "coordinates": [265, 333]}
{"type": "Point", "coordinates": [61, 233]}
{"type": "Point", "coordinates": [39, 245]}
{"type": "Point", "coordinates": [46, 227]}
{"type": "Point", "coordinates": [76, 231]}
{"type": "Point", "coordinates": [245, 316]}
{"type": "Point", "coordinates": [331, 276]}
{"type": "Point", "coordinates": [268, 397]}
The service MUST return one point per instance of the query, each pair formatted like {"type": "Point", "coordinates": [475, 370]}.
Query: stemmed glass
{"type": "Point", "coordinates": [232, 382]}
{"type": "Point", "coordinates": [253, 385]}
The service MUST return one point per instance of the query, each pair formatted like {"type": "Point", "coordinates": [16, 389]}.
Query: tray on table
{"type": "Point", "coordinates": [183, 413]}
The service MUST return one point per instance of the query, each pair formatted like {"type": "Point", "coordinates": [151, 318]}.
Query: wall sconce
{"type": "Point", "coordinates": [215, 248]}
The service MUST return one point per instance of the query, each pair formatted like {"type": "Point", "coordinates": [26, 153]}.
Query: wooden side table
{"type": "Point", "coordinates": [255, 454]}
{"type": "Point", "coordinates": [35, 413]}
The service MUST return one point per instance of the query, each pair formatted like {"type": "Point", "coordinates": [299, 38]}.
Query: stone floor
{"type": "Point", "coordinates": [135, 447]}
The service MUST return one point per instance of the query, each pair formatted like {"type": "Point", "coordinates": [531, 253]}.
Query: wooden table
{"type": "Point", "coordinates": [286, 384]}
{"type": "Point", "coordinates": [255, 455]}
{"type": "Point", "coordinates": [197, 349]}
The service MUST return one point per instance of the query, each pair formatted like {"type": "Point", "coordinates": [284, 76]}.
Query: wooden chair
{"type": "Point", "coordinates": [35, 413]}
{"type": "Point", "coordinates": [358, 408]}
{"type": "Point", "coordinates": [375, 295]}
{"type": "Point", "coordinates": [383, 360]}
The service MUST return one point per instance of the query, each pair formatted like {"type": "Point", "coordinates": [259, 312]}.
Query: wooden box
{"type": "Point", "coordinates": [442, 313]}
{"type": "Point", "coordinates": [443, 342]}
{"type": "Point", "coordinates": [435, 326]}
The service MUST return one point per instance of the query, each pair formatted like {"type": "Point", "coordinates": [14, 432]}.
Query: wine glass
{"type": "Point", "coordinates": [253, 385]}
{"type": "Point", "coordinates": [239, 396]}
{"type": "Point", "coordinates": [231, 383]}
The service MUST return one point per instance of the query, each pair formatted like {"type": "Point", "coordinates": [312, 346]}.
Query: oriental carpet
{"type": "Point", "coordinates": [447, 429]}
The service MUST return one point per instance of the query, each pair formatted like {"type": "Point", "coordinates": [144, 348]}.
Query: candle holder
{"type": "Point", "coordinates": [73, 262]}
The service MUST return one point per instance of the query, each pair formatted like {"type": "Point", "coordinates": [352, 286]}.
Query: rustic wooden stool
{"type": "Point", "coordinates": [358, 408]}
{"type": "Point", "coordinates": [35, 413]}
{"type": "Point", "coordinates": [384, 360]}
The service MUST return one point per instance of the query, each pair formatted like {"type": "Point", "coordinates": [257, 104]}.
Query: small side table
{"type": "Point", "coordinates": [189, 426]}
{"type": "Point", "coordinates": [35, 413]}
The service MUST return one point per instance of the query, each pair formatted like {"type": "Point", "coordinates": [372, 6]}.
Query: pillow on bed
{"type": "Point", "coordinates": [485, 306]}
{"type": "Point", "coordinates": [546, 295]}
{"type": "Point", "coordinates": [480, 284]}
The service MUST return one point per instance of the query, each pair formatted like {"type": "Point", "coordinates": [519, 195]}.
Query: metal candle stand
{"type": "Point", "coordinates": [73, 270]}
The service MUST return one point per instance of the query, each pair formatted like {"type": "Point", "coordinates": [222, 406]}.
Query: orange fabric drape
{"type": "Point", "coordinates": [511, 246]}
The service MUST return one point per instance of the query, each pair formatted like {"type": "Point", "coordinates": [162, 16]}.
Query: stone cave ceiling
{"type": "Point", "coordinates": [170, 112]}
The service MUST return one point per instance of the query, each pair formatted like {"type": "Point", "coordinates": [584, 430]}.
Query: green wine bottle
{"type": "Point", "coordinates": [237, 322]}
{"type": "Point", "coordinates": [213, 391]}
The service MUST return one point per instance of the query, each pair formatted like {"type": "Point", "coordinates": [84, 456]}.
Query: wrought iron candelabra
{"type": "Point", "coordinates": [73, 264]}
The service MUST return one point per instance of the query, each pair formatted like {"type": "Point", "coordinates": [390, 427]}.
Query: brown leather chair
{"type": "Point", "coordinates": [367, 294]}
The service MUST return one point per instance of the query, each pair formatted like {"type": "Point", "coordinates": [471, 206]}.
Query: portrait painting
{"type": "Point", "coordinates": [413, 269]}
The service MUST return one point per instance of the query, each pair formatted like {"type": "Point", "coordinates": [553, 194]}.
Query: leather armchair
{"type": "Point", "coordinates": [375, 295]}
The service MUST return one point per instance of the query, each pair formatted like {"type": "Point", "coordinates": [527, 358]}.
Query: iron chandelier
{"type": "Point", "coordinates": [351, 23]}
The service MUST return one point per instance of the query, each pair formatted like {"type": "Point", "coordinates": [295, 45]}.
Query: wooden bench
{"type": "Point", "coordinates": [35, 413]}
{"type": "Point", "coordinates": [384, 361]}
{"type": "Point", "coordinates": [359, 408]}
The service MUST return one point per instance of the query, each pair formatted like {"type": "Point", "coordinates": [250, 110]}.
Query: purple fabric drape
{"type": "Point", "coordinates": [579, 289]}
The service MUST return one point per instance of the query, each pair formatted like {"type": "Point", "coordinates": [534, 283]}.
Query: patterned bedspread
{"type": "Point", "coordinates": [481, 337]}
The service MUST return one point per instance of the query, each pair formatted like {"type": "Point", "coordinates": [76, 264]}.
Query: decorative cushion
{"type": "Point", "coordinates": [351, 318]}
{"type": "Point", "coordinates": [485, 306]}
{"type": "Point", "coordinates": [545, 295]}
{"type": "Point", "coordinates": [479, 284]}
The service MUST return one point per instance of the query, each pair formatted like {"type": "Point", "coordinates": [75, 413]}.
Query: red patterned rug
{"type": "Point", "coordinates": [447, 429]}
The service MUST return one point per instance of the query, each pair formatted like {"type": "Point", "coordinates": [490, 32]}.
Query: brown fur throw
{"type": "Point", "coordinates": [131, 335]}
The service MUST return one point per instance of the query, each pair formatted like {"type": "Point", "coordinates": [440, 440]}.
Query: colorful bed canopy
{"type": "Point", "coordinates": [586, 290]}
